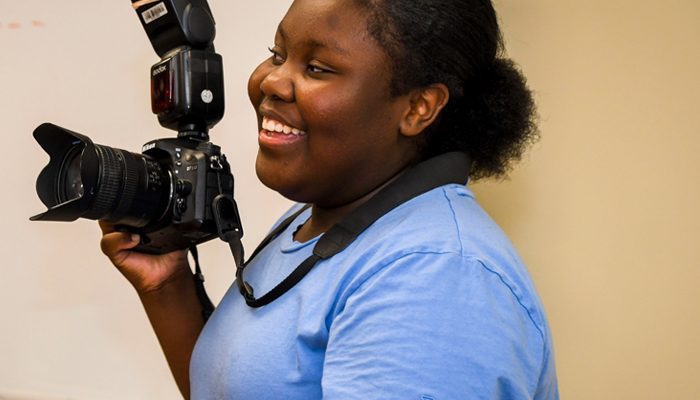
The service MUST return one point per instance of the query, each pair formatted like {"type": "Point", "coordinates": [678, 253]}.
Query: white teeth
{"type": "Point", "coordinates": [271, 125]}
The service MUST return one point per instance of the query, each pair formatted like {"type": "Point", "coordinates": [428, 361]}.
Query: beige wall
{"type": "Point", "coordinates": [603, 209]}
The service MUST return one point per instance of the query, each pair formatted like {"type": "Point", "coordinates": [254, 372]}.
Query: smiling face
{"type": "Point", "coordinates": [329, 128]}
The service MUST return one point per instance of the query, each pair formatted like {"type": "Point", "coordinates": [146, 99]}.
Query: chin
{"type": "Point", "coordinates": [280, 183]}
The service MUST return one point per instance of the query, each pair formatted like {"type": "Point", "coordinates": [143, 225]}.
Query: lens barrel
{"type": "Point", "coordinates": [133, 189]}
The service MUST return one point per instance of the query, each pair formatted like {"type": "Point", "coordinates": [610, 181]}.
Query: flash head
{"type": "Point", "coordinates": [187, 92]}
{"type": "Point", "coordinates": [170, 24]}
{"type": "Point", "coordinates": [187, 86]}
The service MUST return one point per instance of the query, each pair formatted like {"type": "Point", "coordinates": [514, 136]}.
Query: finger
{"type": "Point", "coordinates": [106, 227]}
{"type": "Point", "coordinates": [114, 242]}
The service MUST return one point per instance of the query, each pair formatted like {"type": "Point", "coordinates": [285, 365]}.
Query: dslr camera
{"type": "Point", "coordinates": [179, 191]}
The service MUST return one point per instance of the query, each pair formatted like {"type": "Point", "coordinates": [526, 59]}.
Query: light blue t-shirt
{"type": "Point", "coordinates": [429, 303]}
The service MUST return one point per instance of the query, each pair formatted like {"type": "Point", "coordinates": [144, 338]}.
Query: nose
{"type": "Point", "coordinates": [278, 84]}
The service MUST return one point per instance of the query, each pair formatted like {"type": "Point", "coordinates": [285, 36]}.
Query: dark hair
{"type": "Point", "coordinates": [491, 114]}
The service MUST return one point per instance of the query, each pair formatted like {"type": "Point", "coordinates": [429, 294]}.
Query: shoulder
{"type": "Point", "coordinates": [444, 223]}
{"type": "Point", "coordinates": [442, 243]}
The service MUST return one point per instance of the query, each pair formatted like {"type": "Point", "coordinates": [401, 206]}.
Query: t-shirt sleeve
{"type": "Point", "coordinates": [431, 327]}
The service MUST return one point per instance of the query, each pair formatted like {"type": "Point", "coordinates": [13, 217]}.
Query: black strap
{"type": "Point", "coordinates": [243, 286]}
{"type": "Point", "coordinates": [437, 171]}
{"type": "Point", "coordinates": [228, 225]}
{"type": "Point", "coordinates": [280, 227]}
{"type": "Point", "coordinates": [204, 300]}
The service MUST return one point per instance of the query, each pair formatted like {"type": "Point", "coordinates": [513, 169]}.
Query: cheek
{"type": "Point", "coordinates": [330, 106]}
{"type": "Point", "coordinates": [332, 119]}
{"type": "Point", "coordinates": [331, 111]}
{"type": "Point", "coordinates": [254, 93]}
{"type": "Point", "coordinates": [345, 115]}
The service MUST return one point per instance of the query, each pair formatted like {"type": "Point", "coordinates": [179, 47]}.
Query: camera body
{"type": "Point", "coordinates": [200, 180]}
{"type": "Point", "coordinates": [179, 191]}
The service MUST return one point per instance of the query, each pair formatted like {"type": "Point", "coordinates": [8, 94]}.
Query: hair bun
{"type": "Point", "coordinates": [496, 119]}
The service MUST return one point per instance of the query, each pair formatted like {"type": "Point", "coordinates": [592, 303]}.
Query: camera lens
{"type": "Point", "coordinates": [87, 180]}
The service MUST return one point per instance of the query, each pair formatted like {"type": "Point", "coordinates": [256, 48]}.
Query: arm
{"type": "Point", "coordinates": [165, 286]}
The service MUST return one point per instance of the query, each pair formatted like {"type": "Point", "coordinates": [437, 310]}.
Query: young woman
{"type": "Point", "coordinates": [384, 107]}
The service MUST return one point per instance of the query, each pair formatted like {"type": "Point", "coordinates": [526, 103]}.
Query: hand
{"type": "Point", "coordinates": [146, 272]}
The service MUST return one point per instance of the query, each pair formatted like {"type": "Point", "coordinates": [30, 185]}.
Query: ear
{"type": "Point", "coordinates": [425, 105]}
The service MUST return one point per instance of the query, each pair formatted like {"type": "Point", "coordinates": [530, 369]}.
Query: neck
{"type": "Point", "coordinates": [323, 218]}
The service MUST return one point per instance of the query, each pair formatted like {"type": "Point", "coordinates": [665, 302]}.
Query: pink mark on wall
{"type": "Point", "coordinates": [16, 25]}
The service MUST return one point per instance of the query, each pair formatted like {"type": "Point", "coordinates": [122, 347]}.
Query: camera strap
{"type": "Point", "coordinates": [441, 170]}
{"type": "Point", "coordinates": [204, 300]}
{"type": "Point", "coordinates": [230, 230]}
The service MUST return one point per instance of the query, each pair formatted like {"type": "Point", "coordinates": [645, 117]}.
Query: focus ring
{"type": "Point", "coordinates": [109, 183]}
{"type": "Point", "coordinates": [129, 185]}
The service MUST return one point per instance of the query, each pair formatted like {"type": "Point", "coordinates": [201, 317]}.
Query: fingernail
{"type": "Point", "coordinates": [135, 237]}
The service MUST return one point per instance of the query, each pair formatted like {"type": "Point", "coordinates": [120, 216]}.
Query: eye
{"type": "Point", "coordinates": [316, 69]}
{"type": "Point", "coordinates": [276, 57]}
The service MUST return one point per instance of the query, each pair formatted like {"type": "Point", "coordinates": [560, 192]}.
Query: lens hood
{"type": "Point", "coordinates": [61, 145]}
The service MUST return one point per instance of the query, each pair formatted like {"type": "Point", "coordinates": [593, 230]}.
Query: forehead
{"type": "Point", "coordinates": [330, 20]}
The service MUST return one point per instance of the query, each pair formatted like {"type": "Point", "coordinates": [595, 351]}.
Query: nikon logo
{"type": "Point", "coordinates": [148, 146]}
{"type": "Point", "coordinates": [158, 70]}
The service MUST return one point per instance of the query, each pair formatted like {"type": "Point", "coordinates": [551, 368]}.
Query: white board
{"type": "Point", "coordinates": [72, 327]}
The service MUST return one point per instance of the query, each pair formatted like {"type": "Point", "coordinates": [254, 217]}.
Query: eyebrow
{"type": "Point", "coordinates": [316, 44]}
